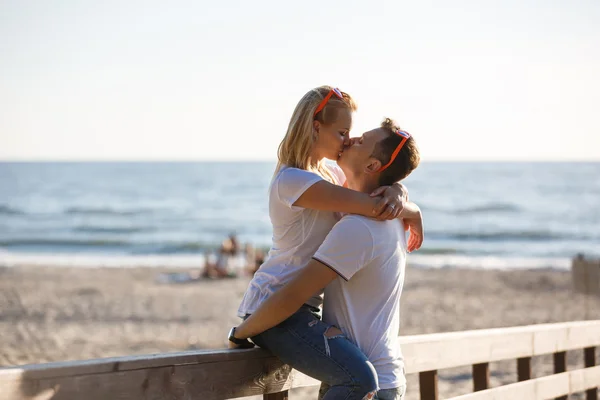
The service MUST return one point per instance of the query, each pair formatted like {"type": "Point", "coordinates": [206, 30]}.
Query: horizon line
{"type": "Point", "coordinates": [122, 160]}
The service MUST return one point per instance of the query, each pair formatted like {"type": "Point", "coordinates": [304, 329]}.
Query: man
{"type": "Point", "coordinates": [360, 264]}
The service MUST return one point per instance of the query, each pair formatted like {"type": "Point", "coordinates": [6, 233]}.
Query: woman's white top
{"type": "Point", "coordinates": [297, 234]}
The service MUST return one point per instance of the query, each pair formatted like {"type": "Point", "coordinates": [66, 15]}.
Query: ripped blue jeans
{"type": "Point", "coordinates": [301, 342]}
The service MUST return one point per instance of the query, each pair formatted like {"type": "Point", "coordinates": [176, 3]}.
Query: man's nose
{"type": "Point", "coordinates": [350, 142]}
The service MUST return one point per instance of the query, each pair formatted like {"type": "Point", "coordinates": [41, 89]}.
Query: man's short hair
{"type": "Point", "coordinates": [406, 161]}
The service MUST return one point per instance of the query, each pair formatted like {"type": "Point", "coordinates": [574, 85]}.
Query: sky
{"type": "Point", "coordinates": [195, 80]}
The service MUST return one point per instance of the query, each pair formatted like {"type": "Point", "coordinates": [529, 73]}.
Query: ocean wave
{"type": "Point", "coordinates": [440, 251]}
{"type": "Point", "coordinates": [102, 211]}
{"type": "Point", "coordinates": [6, 210]}
{"type": "Point", "coordinates": [491, 208]}
{"type": "Point", "coordinates": [10, 259]}
{"type": "Point", "coordinates": [506, 236]}
{"type": "Point", "coordinates": [65, 242]}
{"type": "Point", "coordinates": [110, 229]}
{"type": "Point", "coordinates": [482, 208]}
{"type": "Point", "coordinates": [488, 262]}
{"type": "Point", "coordinates": [186, 247]}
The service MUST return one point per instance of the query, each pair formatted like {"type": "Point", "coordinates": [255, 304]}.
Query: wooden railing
{"type": "Point", "coordinates": [222, 374]}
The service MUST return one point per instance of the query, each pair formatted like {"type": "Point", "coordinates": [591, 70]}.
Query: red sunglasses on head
{"type": "Point", "coordinates": [405, 136]}
{"type": "Point", "coordinates": [323, 102]}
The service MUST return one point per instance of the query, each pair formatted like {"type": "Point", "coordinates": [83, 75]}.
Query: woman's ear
{"type": "Point", "coordinates": [316, 126]}
{"type": "Point", "coordinates": [373, 165]}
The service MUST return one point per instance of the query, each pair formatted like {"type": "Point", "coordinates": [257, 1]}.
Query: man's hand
{"type": "Point", "coordinates": [392, 201]}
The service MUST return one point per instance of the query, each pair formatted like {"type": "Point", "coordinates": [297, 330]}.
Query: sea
{"type": "Point", "coordinates": [120, 214]}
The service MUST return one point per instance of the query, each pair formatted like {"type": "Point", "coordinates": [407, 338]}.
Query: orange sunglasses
{"type": "Point", "coordinates": [323, 102]}
{"type": "Point", "coordinates": [405, 136]}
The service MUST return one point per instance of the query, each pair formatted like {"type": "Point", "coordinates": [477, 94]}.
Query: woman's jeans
{"type": "Point", "coordinates": [300, 342]}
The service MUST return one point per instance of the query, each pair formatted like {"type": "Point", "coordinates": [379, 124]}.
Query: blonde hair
{"type": "Point", "coordinates": [295, 148]}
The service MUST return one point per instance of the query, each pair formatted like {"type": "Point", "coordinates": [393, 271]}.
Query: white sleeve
{"type": "Point", "coordinates": [293, 182]}
{"type": "Point", "coordinates": [347, 248]}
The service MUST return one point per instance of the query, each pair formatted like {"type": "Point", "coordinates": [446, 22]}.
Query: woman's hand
{"type": "Point", "coordinates": [413, 221]}
{"type": "Point", "coordinates": [391, 203]}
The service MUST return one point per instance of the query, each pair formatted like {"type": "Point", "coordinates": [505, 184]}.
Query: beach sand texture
{"type": "Point", "coordinates": [53, 314]}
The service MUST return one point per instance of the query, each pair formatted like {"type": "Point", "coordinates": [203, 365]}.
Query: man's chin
{"type": "Point", "coordinates": [341, 162]}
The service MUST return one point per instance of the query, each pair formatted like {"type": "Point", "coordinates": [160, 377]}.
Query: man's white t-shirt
{"type": "Point", "coordinates": [364, 301]}
{"type": "Point", "coordinates": [297, 234]}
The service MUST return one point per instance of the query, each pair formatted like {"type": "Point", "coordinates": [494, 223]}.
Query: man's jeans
{"type": "Point", "coordinates": [300, 342]}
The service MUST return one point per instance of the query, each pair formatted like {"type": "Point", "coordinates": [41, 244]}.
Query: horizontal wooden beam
{"type": "Point", "coordinates": [236, 373]}
{"type": "Point", "coordinates": [455, 349]}
{"type": "Point", "coordinates": [253, 374]}
{"type": "Point", "coordinates": [541, 388]}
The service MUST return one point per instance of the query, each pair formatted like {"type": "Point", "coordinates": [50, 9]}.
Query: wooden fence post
{"type": "Point", "coordinates": [590, 360]}
{"type": "Point", "coordinates": [428, 385]}
{"type": "Point", "coordinates": [481, 376]}
{"type": "Point", "coordinates": [560, 365]}
{"type": "Point", "coordinates": [523, 369]}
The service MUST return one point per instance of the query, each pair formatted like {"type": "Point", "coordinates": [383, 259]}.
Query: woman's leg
{"type": "Point", "coordinates": [309, 345]}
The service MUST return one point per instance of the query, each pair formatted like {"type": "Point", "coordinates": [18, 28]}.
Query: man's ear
{"type": "Point", "coordinates": [373, 165]}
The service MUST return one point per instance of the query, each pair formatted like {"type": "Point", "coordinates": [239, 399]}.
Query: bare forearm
{"type": "Point", "coordinates": [273, 311]}
{"type": "Point", "coordinates": [325, 196]}
{"type": "Point", "coordinates": [287, 300]}
{"type": "Point", "coordinates": [410, 210]}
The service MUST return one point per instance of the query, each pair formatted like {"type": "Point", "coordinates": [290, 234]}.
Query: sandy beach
{"type": "Point", "coordinates": [53, 314]}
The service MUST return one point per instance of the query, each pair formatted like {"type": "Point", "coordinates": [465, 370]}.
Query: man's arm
{"type": "Point", "coordinates": [287, 300]}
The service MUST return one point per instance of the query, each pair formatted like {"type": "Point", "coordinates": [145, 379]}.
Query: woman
{"type": "Point", "coordinates": [304, 196]}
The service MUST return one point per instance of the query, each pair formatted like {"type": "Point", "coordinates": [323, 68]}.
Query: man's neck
{"type": "Point", "coordinates": [363, 184]}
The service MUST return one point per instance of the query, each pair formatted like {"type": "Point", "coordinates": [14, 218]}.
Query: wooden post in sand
{"type": "Point", "coordinates": [586, 279]}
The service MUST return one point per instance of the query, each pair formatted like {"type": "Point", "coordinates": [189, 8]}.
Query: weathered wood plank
{"type": "Point", "coordinates": [541, 388]}
{"type": "Point", "coordinates": [481, 376]}
{"type": "Point", "coordinates": [446, 350]}
{"type": "Point", "coordinates": [247, 369]}
{"type": "Point", "coordinates": [218, 380]}
{"type": "Point", "coordinates": [127, 363]}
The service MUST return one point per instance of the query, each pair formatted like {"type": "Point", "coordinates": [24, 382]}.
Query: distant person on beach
{"type": "Point", "coordinates": [305, 195]}
{"type": "Point", "coordinates": [227, 260]}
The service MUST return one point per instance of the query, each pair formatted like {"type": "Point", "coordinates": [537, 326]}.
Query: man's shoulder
{"type": "Point", "coordinates": [368, 222]}
{"type": "Point", "coordinates": [354, 219]}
